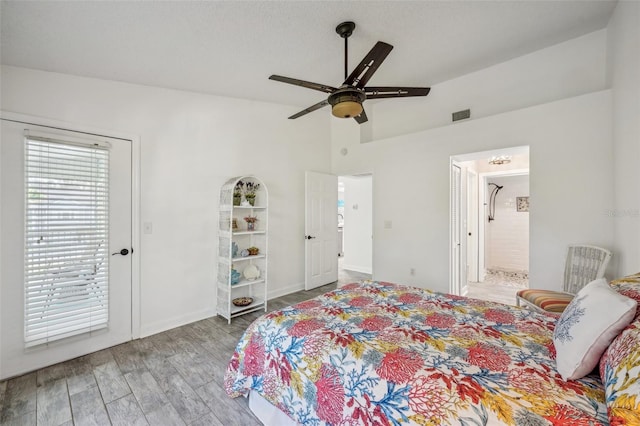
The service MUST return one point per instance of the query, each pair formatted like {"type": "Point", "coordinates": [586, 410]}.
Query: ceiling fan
{"type": "Point", "coordinates": [346, 100]}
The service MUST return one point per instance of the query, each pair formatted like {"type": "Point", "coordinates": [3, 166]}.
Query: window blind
{"type": "Point", "coordinates": [66, 239]}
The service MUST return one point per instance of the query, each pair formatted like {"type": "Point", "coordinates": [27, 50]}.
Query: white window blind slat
{"type": "Point", "coordinates": [79, 251]}
{"type": "Point", "coordinates": [44, 292]}
{"type": "Point", "coordinates": [76, 299]}
{"type": "Point", "coordinates": [41, 284]}
{"type": "Point", "coordinates": [62, 318]}
{"type": "Point", "coordinates": [66, 239]}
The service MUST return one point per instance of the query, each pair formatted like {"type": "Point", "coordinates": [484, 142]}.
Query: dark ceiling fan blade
{"type": "Point", "coordinates": [395, 92]}
{"type": "Point", "coordinates": [362, 118]}
{"type": "Point", "coordinates": [309, 85]}
{"type": "Point", "coordinates": [310, 109]}
{"type": "Point", "coordinates": [363, 72]}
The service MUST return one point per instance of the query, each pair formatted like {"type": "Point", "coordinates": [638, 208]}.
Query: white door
{"type": "Point", "coordinates": [483, 208]}
{"type": "Point", "coordinates": [472, 228]}
{"type": "Point", "coordinates": [456, 216]}
{"type": "Point", "coordinates": [321, 223]}
{"type": "Point", "coordinates": [18, 353]}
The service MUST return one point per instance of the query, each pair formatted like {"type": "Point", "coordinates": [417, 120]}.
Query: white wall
{"type": "Point", "coordinates": [507, 236]}
{"type": "Point", "coordinates": [190, 144]}
{"type": "Point", "coordinates": [623, 68]}
{"type": "Point", "coordinates": [571, 177]}
{"type": "Point", "coordinates": [567, 69]}
{"type": "Point", "coordinates": [358, 222]}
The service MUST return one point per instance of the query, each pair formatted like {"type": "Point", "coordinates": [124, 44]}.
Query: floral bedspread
{"type": "Point", "coordinates": [376, 353]}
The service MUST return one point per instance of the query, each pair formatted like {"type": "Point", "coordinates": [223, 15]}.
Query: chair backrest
{"type": "Point", "coordinates": [583, 265]}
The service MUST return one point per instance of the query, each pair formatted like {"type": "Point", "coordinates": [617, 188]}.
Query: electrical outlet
{"type": "Point", "coordinates": [412, 271]}
{"type": "Point", "coordinates": [388, 224]}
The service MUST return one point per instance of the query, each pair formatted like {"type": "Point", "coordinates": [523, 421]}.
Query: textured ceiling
{"type": "Point", "coordinates": [230, 47]}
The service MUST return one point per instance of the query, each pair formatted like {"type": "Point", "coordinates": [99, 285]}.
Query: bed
{"type": "Point", "coordinates": [382, 353]}
{"type": "Point", "coordinates": [375, 353]}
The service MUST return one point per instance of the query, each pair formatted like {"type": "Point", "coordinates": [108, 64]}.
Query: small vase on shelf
{"type": "Point", "coordinates": [251, 222]}
{"type": "Point", "coordinates": [251, 199]}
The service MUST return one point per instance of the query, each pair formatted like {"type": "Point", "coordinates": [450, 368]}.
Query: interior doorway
{"type": "Point", "coordinates": [489, 220]}
{"type": "Point", "coordinates": [355, 227]}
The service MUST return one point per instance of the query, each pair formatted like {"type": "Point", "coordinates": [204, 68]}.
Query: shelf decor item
{"type": "Point", "coordinates": [250, 189]}
{"type": "Point", "coordinates": [242, 301]}
{"type": "Point", "coordinates": [251, 272]}
{"type": "Point", "coordinates": [251, 222]}
{"type": "Point", "coordinates": [237, 193]}
{"type": "Point", "coordinates": [235, 277]}
{"type": "Point", "coordinates": [242, 251]}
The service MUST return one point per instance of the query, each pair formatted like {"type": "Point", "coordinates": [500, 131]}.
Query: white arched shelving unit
{"type": "Point", "coordinates": [230, 285]}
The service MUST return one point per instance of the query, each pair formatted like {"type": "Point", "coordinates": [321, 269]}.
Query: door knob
{"type": "Point", "coordinates": [123, 252]}
{"type": "Point", "coordinates": [308, 237]}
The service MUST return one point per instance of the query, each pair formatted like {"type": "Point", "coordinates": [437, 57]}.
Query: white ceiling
{"type": "Point", "coordinates": [230, 47]}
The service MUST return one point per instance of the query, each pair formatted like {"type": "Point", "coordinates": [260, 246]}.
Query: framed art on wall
{"type": "Point", "coordinates": [522, 204]}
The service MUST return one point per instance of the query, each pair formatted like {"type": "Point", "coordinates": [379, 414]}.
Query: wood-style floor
{"type": "Point", "coordinates": [171, 378]}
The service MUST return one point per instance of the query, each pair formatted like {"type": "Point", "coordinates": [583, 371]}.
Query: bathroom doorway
{"type": "Point", "coordinates": [490, 224]}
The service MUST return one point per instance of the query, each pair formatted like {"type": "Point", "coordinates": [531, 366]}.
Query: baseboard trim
{"type": "Point", "coordinates": [284, 291]}
{"type": "Point", "coordinates": [356, 268]}
{"type": "Point", "coordinates": [168, 324]}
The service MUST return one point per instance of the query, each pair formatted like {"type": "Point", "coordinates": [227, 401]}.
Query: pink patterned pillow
{"type": "Point", "coordinates": [630, 287]}
{"type": "Point", "coordinates": [620, 374]}
{"type": "Point", "coordinates": [620, 363]}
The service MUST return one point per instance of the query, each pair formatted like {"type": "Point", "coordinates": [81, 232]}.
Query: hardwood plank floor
{"type": "Point", "coordinates": [171, 378]}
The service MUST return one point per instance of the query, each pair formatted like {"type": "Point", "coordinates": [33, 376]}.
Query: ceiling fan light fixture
{"type": "Point", "coordinates": [346, 103]}
{"type": "Point", "coordinates": [347, 109]}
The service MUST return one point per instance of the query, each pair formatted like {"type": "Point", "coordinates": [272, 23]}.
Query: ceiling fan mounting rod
{"type": "Point", "coordinates": [346, 57]}
{"type": "Point", "coordinates": [344, 30]}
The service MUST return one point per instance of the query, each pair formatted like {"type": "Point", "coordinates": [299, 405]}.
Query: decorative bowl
{"type": "Point", "coordinates": [253, 251]}
{"type": "Point", "coordinates": [242, 301]}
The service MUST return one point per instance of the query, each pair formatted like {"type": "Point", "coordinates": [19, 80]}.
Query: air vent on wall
{"type": "Point", "coordinates": [461, 115]}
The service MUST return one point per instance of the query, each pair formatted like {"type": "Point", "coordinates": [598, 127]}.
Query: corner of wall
{"type": "Point", "coordinates": [623, 73]}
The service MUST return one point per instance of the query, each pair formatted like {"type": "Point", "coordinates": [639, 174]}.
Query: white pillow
{"type": "Point", "coordinates": [588, 325]}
